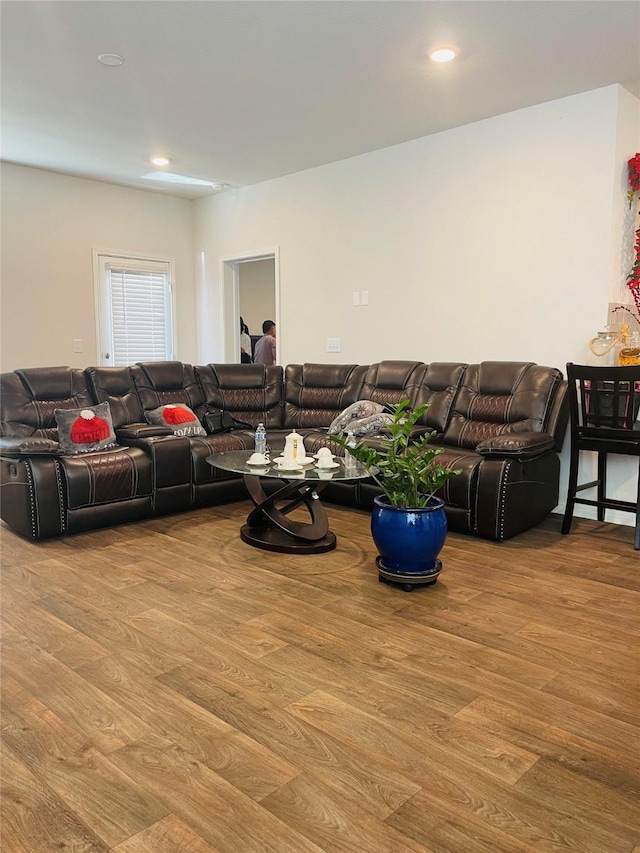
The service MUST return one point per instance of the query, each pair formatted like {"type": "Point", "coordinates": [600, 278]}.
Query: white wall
{"type": "Point", "coordinates": [490, 241]}
{"type": "Point", "coordinates": [50, 223]}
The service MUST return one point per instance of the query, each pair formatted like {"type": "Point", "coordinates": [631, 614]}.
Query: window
{"type": "Point", "coordinates": [135, 317]}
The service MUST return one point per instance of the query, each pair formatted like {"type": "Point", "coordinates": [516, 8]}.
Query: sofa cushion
{"type": "Point", "coordinates": [29, 398]}
{"type": "Point", "coordinates": [160, 382]}
{"type": "Point", "coordinates": [115, 385]}
{"type": "Point", "coordinates": [180, 419]}
{"type": "Point", "coordinates": [438, 389]}
{"type": "Point", "coordinates": [251, 393]}
{"type": "Point", "coordinates": [85, 430]}
{"type": "Point", "coordinates": [501, 397]}
{"type": "Point", "coordinates": [391, 382]}
{"type": "Point", "coordinates": [114, 475]}
{"type": "Point", "coordinates": [315, 394]}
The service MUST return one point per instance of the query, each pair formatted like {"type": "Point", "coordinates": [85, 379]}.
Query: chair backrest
{"type": "Point", "coordinates": [249, 392]}
{"type": "Point", "coordinates": [114, 385]}
{"type": "Point", "coordinates": [604, 402]}
{"type": "Point", "coordinates": [315, 394]}
{"type": "Point", "coordinates": [501, 397]}
{"type": "Point", "coordinates": [29, 397]}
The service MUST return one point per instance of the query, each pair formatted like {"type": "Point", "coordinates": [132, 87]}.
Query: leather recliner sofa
{"type": "Point", "coordinates": [501, 423]}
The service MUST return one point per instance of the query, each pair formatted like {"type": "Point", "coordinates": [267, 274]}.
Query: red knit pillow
{"type": "Point", "coordinates": [178, 417]}
{"type": "Point", "coordinates": [85, 430]}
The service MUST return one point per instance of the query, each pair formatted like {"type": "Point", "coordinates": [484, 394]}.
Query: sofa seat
{"type": "Point", "coordinates": [203, 446]}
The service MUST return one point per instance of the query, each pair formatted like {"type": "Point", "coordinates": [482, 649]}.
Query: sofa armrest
{"type": "Point", "coordinates": [516, 445]}
{"type": "Point", "coordinates": [29, 446]}
{"type": "Point", "coordinates": [137, 431]}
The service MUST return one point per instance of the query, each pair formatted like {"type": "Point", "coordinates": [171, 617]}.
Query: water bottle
{"type": "Point", "coordinates": [349, 460]}
{"type": "Point", "coordinates": [261, 439]}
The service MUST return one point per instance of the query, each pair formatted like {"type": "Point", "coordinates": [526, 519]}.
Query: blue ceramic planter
{"type": "Point", "coordinates": [409, 540]}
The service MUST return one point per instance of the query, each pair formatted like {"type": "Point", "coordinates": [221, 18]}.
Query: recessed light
{"type": "Point", "coordinates": [110, 59]}
{"type": "Point", "coordinates": [443, 54]}
{"type": "Point", "coordinates": [160, 161]}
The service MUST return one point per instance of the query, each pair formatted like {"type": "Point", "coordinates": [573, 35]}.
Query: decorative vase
{"type": "Point", "coordinates": [408, 541]}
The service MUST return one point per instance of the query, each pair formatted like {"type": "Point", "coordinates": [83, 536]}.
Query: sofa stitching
{"type": "Point", "coordinates": [32, 500]}
{"type": "Point", "coordinates": [502, 493]}
{"type": "Point", "coordinates": [60, 495]}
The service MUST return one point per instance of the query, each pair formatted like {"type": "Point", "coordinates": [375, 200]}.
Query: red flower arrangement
{"type": "Point", "coordinates": [633, 279]}
{"type": "Point", "coordinates": [634, 176]}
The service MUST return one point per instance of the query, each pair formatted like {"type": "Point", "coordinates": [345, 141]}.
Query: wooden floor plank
{"type": "Point", "coordinates": [618, 769]}
{"type": "Point", "coordinates": [34, 819]}
{"type": "Point", "coordinates": [336, 825]}
{"type": "Point", "coordinates": [224, 817]}
{"type": "Point", "coordinates": [169, 834]}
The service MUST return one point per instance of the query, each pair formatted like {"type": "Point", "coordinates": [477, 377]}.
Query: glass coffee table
{"type": "Point", "coordinates": [268, 525]}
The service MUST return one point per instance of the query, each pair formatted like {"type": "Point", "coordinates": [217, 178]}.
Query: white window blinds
{"type": "Point", "coordinates": [136, 300]}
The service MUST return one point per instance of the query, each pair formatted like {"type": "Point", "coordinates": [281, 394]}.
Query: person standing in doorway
{"type": "Point", "coordinates": [265, 350]}
{"type": "Point", "coordinates": [245, 343]}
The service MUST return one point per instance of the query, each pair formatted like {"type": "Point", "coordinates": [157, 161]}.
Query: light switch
{"type": "Point", "coordinates": [365, 297]}
{"type": "Point", "coordinates": [356, 297]}
{"type": "Point", "coordinates": [77, 344]}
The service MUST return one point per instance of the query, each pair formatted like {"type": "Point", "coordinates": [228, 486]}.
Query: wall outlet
{"type": "Point", "coordinates": [77, 345]}
{"type": "Point", "coordinates": [334, 345]}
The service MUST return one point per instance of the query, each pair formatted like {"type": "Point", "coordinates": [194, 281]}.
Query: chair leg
{"type": "Point", "coordinates": [602, 482]}
{"type": "Point", "coordinates": [636, 541]}
{"type": "Point", "coordinates": [571, 492]}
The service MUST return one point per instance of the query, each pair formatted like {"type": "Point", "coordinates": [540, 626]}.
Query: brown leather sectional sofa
{"type": "Point", "coordinates": [502, 423]}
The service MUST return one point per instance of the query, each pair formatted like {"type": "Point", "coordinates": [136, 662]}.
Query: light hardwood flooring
{"type": "Point", "coordinates": [166, 687]}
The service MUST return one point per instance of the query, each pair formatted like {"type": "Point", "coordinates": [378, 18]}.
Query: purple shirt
{"type": "Point", "coordinates": [265, 351]}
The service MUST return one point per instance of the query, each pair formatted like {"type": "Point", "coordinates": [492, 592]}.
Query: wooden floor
{"type": "Point", "coordinates": [166, 687]}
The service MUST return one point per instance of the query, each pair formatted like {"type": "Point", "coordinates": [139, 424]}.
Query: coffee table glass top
{"type": "Point", "coordinates": [236, 462]}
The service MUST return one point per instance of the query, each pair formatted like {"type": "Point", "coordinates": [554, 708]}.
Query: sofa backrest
{"type": "Point", "coordinates": [29, 397]}
{"type": "Point", "coordinates": [161, 382]}
{"type": "Point", "coordinates": [115, 386]}
{"type": "Point", "coordinates": [314, 394]}
{"type": "Point", "coordinates": [499, 397]}
{"type": "Point", "coordinates": [250, 392]}
{"type": "Point", "coordinates": [391, 382]}
{"type": "Point", "coordinates": [438, 388]}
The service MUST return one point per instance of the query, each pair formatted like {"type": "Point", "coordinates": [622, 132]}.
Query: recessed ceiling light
{"type": "Point", "coordinates": [110, 59]}
{"type": "Point", "coordinates": [443, 54]}
{"type": "Point", "coordinates": [160, 161]}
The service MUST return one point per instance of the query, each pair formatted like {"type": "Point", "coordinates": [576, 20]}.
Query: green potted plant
{"type": "Point", "coordinates": [408, 522]}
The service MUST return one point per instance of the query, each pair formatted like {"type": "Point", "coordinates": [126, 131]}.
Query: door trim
{"type": "Point", "coordinates": [230, 299]}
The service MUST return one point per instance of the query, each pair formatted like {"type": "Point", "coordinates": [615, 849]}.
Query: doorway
{"type": "Point", "coordinates": [251, 289]}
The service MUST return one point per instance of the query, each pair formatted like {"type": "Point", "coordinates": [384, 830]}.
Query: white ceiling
{"type": "Point", "coordinates": [242, 91]}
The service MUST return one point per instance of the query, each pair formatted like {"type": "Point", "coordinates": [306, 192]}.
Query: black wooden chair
{"type": "Point", "coordinates": [603, 407]}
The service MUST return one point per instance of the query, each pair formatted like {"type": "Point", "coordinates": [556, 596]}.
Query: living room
{"type": "Point", "coordinates": [505, 237]}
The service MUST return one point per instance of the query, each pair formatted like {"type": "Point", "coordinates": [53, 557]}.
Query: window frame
{"type": "Point", "coordinates": [102, 297]}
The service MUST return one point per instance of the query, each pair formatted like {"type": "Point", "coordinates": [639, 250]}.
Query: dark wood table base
{"type": "Point", "coordinates": [269, 527]}
{"type": "Point", "coordinates": [273, 539]}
